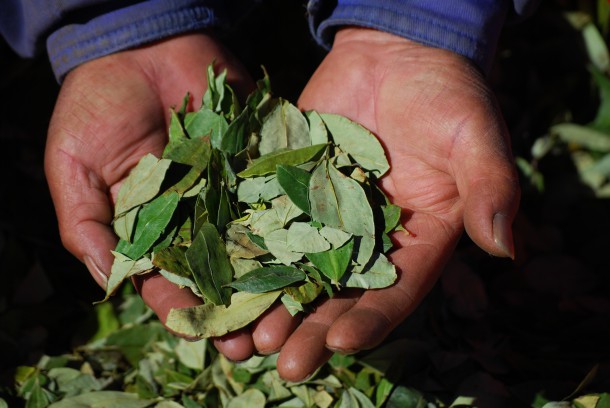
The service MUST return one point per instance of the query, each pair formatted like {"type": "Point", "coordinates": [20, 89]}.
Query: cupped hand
{"type": "Point", "coordinates": [110, 112]}
{"type": "Point", "coordinates": [451, 168]}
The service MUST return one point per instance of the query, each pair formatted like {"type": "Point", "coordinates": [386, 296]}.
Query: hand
{"type": "Point", "coordinates": [110, 112]}
{"type": "Point", "coordinates": [451, 167]}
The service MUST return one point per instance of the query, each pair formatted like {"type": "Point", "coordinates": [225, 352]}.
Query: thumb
{"type": "Point", "coordinates": [489, 186]}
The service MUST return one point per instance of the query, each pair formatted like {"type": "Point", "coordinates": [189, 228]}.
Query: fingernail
{"type": "Point", "coordinates": [345, 352]}
{"type": "Point", "coordinates": [503, 235]}
{"type": "Point", "coordinates": [97, 273]}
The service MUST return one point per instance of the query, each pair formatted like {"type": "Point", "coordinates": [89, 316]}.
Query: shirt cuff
{"type": "Point", "coordinates": [468, 27]}
{"type": "Point", "coordinates": [129, 27]}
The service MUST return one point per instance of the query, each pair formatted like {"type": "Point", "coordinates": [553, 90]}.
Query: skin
{"type": "Point", "coordinates": [110, 112]}
{"type": "Point", "coordinates": [451, 167]}
{"type": "Point", "coordinates": [439, 123]}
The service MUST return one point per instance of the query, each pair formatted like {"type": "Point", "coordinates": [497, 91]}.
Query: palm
{"type": "Point", "coordinates": [451, 166]}
{"type": "Point", "coordinates": [110, 113]}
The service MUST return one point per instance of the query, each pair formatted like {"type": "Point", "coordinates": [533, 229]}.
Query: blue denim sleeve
{"type": "Point", "coordinates": [468, 27]}
{"type": "Point", "coordinates": [76, 31]}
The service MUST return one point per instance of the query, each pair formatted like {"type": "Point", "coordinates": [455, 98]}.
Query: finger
{"type": "Point", "coordinates": [488, 184]}
{"type": "Point", "coordinates": [162, 296]}
{"type": "Point", "coordinates": [83, 213]}
{"type": "Point", "coordinates": [273, 328]}
{"type": "Point", "coordinates": [419, 260]}
{"type": "Point", "coordinates": [305, 350]}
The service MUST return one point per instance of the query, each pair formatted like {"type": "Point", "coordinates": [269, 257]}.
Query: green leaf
{"type": "Point", "coordinates": [277, 391]}
{"type": "Point", "coordinates": [72, 382]}
{"type": "Point", "coordinates": [292, 306]}
{"type": "Point", "coordinates": [38, 397]}
{"type": "Point", "coordinates": [189, 184]}
{"type": "Point", "coordinates": [107, 321]}
{"type": "Point", "coordinates": [339, 201]}
{"type": "Point", "coordinates": [253, 189]}
{"type": "Point", "coordinates": [380, 274]}
{"type": "Point", "coordinates": [234, 139]}
{"type": "Point", "coordinates": [362, 400]}
{"type": "Point", "coordinates": [277, 243]}
{"type": "Point", "coordinates": [206, 122]}
{"type": "Point", "coordinates": [280, 214]}
{"type": "Point", "coordinates": [391, 217]}
{"type": "Point", "coordinates": [602, 118]}
{"type": "Point", "coordinates": [143, 183]}
{"type": "Point", "coordinates": [295, 182]}
{"type": "Point", "coordinates": [583, 136]}
{"type": "Point", "coordinates": [176, 130]}
{"type": "Point", "coordinates": [207, 258]}
{"type": "Point", "coordinates": [259, 100]}
{"type": "Point", "coordinates": [241, 266]}
{"type": "Point", "coordinates": [382, 392]}
{"type": "Point", "coordinates": [267, 279]}
{"type": "Point", "coordinates": [183, 281]}
{"type": "Point", "coordinates": [356, 140]}
{"type": "Point", "coordinates": [172, 259]}
{"type": "Point", "coordinates": [191, 353]}
{"type": "Point", "coordinates": [213, 321]}
{"type": "Point", "coordinates": [305, 293]}
{"type": "Point", "coordinates": [336, 237]}
{"type": "Point", "coordinates": [124, 267]}
{"type": "Point", "coordinates": [596, 47]}
{"type": "Point", "coordinates": [152, 220]}
{"type": "Point", "coordinates": [302, 237]}
{"type": "Point", "coordinates": [604, 400]}
{"type": "Point", "coordinates": [403, 397]}
{"type": "Point", "coordinates": [314, 275]}
{"type": "Point", "coordinates": [193, 152]}
{"type": "Point", "coordinates": [133, 341]}
{"type": "Point", "coordinates": [219, 97]}
{"type": "Point", "coordinates": [267, 164]}
{"type": "Point", "coordinates": [103, 399]}
{"type": "Point", "coordinates": [241, 236]}
{"type": "Point", "coordinates": [333, 263]}
{"type": "Point", "coordinates": [123, 225]}
{"type": "Point", "coordinates": [216, 196]}
{"type": "Point", "coordinates": [317, 129]}
{"type": "Point", "coordinates": [251, 398]}
{"type": "Point", "coordinates": [284, 127]}
{"type": "Point", "coordinates": [285, 209]}
{"type": "Point", "coordinates": [175, 268]}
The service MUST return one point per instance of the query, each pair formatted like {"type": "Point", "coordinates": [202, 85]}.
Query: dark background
{"type": "Point", "coordinates": [494, 328]}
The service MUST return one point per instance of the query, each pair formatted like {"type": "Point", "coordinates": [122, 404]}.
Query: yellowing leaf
{"type": "Point", "coordinates": [142, 184]}
{"type": "Point", "coordinates": [212, 321]}
{"type": "Point", "coordinates": [356, 140]}
{"type": "Point", "coordinates": [208, 260]}
{"type": "Point", "coordinates": [266, 164]}
{"type": "Point", "coordinates": [284, 127]}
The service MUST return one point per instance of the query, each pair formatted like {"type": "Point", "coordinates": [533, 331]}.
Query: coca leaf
{"type": "Point", "coordinates": [333, 263]}
{"type": "Point", "coordinates": [267, 164]}
{"type": "Point", "coordinates": [267, 279]}
{"type": "Point", "coordinates": [208, 260]}
{"type": "Point", "coordinates": [213, 321]}
{"type": "Point", "coordinates": [356, 140]}
{"type": "Point", "coordinates": [152, 220]}
{"type": "Point", "coordinates": [295, 183]}
{"type": "Point", "coordinates": [143, 183]}
{"type": "Point", "coordinates": [284, 128]}
{"type": "Point", "coordinates": [206, 122]}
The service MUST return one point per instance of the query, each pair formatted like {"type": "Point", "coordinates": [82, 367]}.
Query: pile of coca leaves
{"type": "Point", "coordinates": [252, 204]}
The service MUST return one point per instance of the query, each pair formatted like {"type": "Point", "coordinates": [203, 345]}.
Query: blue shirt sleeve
{"type": "Point", "coordinates": [468, 27]}
{"type": "Point", "coordinates": [76, 31]}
